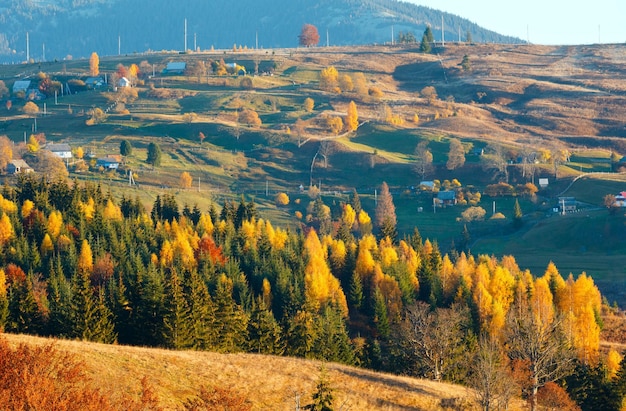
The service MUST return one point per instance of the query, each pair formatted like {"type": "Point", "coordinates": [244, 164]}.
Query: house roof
{"type": "Point", "coordinates": [18, 163]}
{"type": "Point", "coordinates": [21, 85]}
{"type": "Point", "coordinates": [109, 159]}
{"type": "Point", "coordinates": [446, 195]}
{"type": "Point", "coordinates": [176, 66]}
{"type": "Point", "coordinates": [58, 148]}
{"type": "Point", "coordinates": [94, 80]}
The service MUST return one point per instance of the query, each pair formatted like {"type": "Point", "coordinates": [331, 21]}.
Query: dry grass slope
{"type": "Point", "coordinates": [270, 383]}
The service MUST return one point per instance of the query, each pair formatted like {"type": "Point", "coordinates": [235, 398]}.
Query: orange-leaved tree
{"type": "Point", "coordinates": [309, 36]}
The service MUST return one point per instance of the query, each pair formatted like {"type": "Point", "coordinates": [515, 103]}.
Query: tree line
{"type": "Point", "coordinates": [79, 264]}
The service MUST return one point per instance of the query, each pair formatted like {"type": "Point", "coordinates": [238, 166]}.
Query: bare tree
{"type": "Point", "coordinates": [436, 336]}
{"type": "Point", "coordinates": [541, 344]}
{"type": "Point", "coordinates": [423, 159]}
{"type": "Point", "coordinates": [326, 149]}
{"type": "Point", "coordinates": [456, 155]}
{"type": "Point", "coordinates": [495, 158]}
{"type": "Point", "coordinates": [490, 376]}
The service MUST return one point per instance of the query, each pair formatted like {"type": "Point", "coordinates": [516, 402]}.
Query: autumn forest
{"type": "Point", "coordinates": [77, 264]}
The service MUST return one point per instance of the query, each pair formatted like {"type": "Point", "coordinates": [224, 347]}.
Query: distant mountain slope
{"type": "Point", "coordinates": [58, 28]}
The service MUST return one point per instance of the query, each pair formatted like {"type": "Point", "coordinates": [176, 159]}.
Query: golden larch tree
{"type": "Point", "coordinates": [320, 286]}
{"type": "Point", "coordinates": [6, 229]}
{"type": "Point", "coordinates": [85, 259]}
{"type": "Point", "coordinates": [352, 117]}
{"type": "Point", "coordinates": [309, 104]}
{"type": "Point", "coordinates": [54, 224]}
{"type": "Point", "coordinates": [6, 151]}
{"type": "Point", "coordinates": [94, 64]}
{"type": "Point", "coordinates": [185, 180]}
{"type": "Point", "coordinates": [329, 78]}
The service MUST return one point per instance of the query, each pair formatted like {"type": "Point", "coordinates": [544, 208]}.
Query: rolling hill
{"type": "Point", "coordinates": [62, 28]}
{"type": "Point", "coordinates": [268, 382]}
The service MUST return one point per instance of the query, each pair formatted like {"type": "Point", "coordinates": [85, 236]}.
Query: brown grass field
{"type": "Point", "coordinates": [270, 383]}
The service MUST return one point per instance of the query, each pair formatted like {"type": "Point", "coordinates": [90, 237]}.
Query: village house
{"type": "Point", "coordinates": [446, 198]}
{"type": "Point", "coordinates": [18, 166]}
{"type": "Point", "coordinates": [63, 151]}
{"type": "Point", "coordinates": [109, 162]}
{"type": "Point", "coordinates": [175, 67]}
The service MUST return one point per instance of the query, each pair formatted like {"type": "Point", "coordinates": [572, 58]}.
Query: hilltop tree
{"type": "Point", "coordinates": [423, 159]}
{"type": "Point", "coordinates": [456, 155]}
{"type": "Point", "coordinates": [309, 36]}
{"type": "Point", "coordinates": [427, 40]}
{"type": "Point", "coordinates": [94, 64]}
{"type": "Point", "coordinates": [185, 180]}
{"type": "Point", "coordinates": [352, 118]}
{"type": "Point", "coordinates": [154, 155]}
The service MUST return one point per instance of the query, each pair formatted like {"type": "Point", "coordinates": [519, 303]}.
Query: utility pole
{"type": "Point", "coordinates": [185, 49]}
{"type": "Point", "coordinates": [119, 45]}
{"type": "Point", "coordinates": [392, 34]}
{"type": "Point", "coordinates": [195, 47]}
{"type": "Point", "coordinates": [27, 48]}
{"type": "Point", "coordinates": [43, 46]}
{"type": "Point", "coordinates": [256, 40]}
{"type": "Point", "coordinates": [443, 40]}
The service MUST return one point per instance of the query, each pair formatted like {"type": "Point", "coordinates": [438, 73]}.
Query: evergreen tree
{"type": "Point", "coordinates": [24, 313]}
{"type": "Point", "coordinates": [381, 317]}
{"type": "Point", "coordinates": [356, 291]}
{"type": "Point", "coordinates": [59, 297]}
{"type": "Point", "coordinates": [91, 319]}
{"type": "Point", "coordinates": [231, 320]}
{"type": "Point", "coordinates": [332, 342]}
{"type": "Point", "coordinates": [177, 332]}
{"type": "Point", "coordinates": [202, 314]}
{"type": "Point", "coordinates": [263, 330]}
{"type": "Point", "coordinates": [427, 41]}
{"type": "Point", "coordinates": [154, 155]}
{"type": "Point", "coordinates": [126, 149]}
{"type": "Point", "coordinates": [517, 215]}
{"type": "Point", "coordinates": [323, 396]}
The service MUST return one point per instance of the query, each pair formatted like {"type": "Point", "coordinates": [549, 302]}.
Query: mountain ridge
{"type": "Point", "coordinates": [60, 29]}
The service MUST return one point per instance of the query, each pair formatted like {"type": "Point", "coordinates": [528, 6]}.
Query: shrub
{"type": "Point", "coordinates": [473, 214]}
{"type": "Point", "coordinates": [282, 199]}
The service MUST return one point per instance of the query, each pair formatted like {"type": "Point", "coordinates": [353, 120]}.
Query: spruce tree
{"type": "Point", "coordinates": [332, 342]}
{"type": "Point", "coordinates": [176, 330]}
{"type": "Point", "coordinates": [517, 215]}
{"type": "Point", "coordinates": [231, 320]}
{"type": "Point", "coordinates": [263, 330]}
{"type": "Point", "coordinates": [355, 295]}
{"type": "Point", "coordinates": [381, 318]}
{"type": "Point", "coordinates": [323, 396]}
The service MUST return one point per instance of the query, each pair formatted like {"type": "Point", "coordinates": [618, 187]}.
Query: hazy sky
{"type": "Point", "coordinates": [544, 21]}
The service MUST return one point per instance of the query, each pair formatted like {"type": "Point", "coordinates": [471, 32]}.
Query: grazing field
{"type": "Point", "coordinates": [533, 102]}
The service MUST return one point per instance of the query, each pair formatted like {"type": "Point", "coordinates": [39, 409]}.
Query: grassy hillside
{"type": "Point", "coordinates": [270, 383]}
{"type": "Point", "coordinates": [525, 98]}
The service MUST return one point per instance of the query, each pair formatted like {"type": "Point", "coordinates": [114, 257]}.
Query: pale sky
{"type": "Point", "coordinates": [544, 21]}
